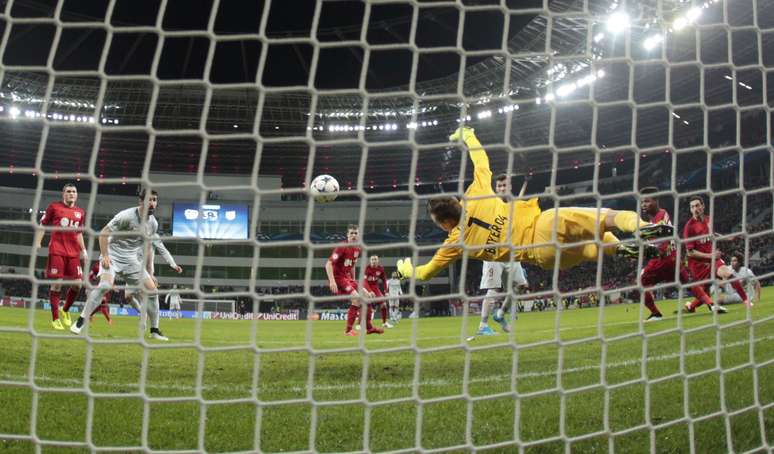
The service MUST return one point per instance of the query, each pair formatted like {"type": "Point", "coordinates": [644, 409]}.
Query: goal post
{"type": "Point", "coordinates": [208, 305]}
{"type": "Point", "coordinates": [243, 103]}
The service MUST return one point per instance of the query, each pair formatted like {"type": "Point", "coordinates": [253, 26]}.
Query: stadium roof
{"type": "Point", "coordinates": [521, 101]}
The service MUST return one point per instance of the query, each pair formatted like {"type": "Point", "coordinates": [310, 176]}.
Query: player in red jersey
{"type": "Point", "coordinates": [701, 258]}
{"type": "Point", "coordinates": [340, 269]}
{"type": "Point", "coordinates": [65, 250]}
{"type": "Point", "coordinates": [662, 269]}
{"type": "Point", "coordinates": [376, 282]}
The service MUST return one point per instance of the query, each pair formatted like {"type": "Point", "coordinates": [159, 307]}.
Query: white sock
{"type": "Point", "coordinates": [485, 305]}
{"type": "Point", "coordinates": [135, 303]}
{"type": "Point", "coordinates": [504, 306]}
{"type": "Point", "coordinates": [153, 310]}
{"type": "Point", "coordinates": [94, 299]}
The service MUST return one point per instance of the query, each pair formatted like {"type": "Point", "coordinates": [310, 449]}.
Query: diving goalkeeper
{"type": "Point", "coordinates": [493, 230]}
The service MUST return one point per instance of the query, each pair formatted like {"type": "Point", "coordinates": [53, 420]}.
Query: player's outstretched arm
{"type": "Point", "coordinates": [482, 174]}
{"type": "Point", "coordinates": [447, 254]}
{"type": "Point", "coordinates": [159, 246]}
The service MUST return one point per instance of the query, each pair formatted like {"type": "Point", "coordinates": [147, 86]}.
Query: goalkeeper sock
{"type": "Point", "coordinates": [351, 316]}
{"type": "Point", "coordinates": [627, 221]}
{"type": "Point", "coordinates": [70, 298]}
{"type": "Point", "coordinates": [53, 298]}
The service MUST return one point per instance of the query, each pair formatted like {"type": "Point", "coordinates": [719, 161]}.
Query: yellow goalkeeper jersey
{"type": "Point", "coordinates": [490, 224]}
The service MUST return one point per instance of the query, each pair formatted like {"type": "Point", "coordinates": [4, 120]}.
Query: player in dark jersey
{"type": "Point", "coordinates": [662, 269]}
{"type": "Point", "coordinates": [701, 257]}
{"type": "Point", "coordinates": [66, 250]}
{"type": "Point", "coordinates": [340, 269]}
{"type": "Point", "coordinates": [376, 282]}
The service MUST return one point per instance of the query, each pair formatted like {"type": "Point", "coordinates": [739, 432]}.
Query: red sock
{"type": "Point", "coordinates": [105, 311]}
{"type": "Point", "coordinates": [701, 297]}
{"type": "Point", "coordinates": [651, 304]}
{"type": "Point", "coordinates": [70, 298]}
{"type": "Point", "coordinates": [369, 325]}
{"type": "Point", "coordinates": [53, 298]}
{"type": "Point", "coordinates": [384, 314]}
{"type": "Point", "coordinates": [351, 316]}
{"type": "Point", "coordinates": [693, 304]}
{"type": "Point", "coordinates": [739, 289]}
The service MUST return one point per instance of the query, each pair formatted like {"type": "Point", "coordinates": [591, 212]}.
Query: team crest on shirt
{"type": "Point", "coordinates": [77, 215]}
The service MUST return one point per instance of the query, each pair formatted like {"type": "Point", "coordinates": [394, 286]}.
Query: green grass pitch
{"type": "Point", "coordinates": [587, 379]}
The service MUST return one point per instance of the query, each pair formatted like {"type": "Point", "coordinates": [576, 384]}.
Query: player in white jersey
{"type": "Point", "coordinates": [744, 274]}
{"type": "Point", "coordinates": [122, 244]}
{"type": "Point", "coordinates": [133, 296]}
{"type": "Point", "coordinates": [173, 299]}
{"type": "Point", "coordinates": [394, 291]}
{"type": "Point", "coordinates": [491, 276]}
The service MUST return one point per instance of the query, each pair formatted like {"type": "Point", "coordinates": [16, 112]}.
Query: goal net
{"type": "Point", "coordinates": [229, 109]}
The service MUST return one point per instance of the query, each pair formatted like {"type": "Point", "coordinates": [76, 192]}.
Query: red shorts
{"type": "Point", "coordinates": [658, 271]}
{"type": "Point", "coordinates": [346, 285]}
{"type": "Point", "coordinates": [61, 267]}
{"type": "Point", "coordinates": [700, 270]}
{"type": "Point", "coordinates": [373, 289]}
{"type": "Point", "coordinates": [661, 270]}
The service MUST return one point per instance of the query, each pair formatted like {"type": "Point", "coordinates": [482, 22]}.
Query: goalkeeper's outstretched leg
{"type": "Point", "coordinates": [574, 225]}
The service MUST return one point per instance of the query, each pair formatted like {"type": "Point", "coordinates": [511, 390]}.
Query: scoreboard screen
{"type": "Point", "coordinates": [210, 222]}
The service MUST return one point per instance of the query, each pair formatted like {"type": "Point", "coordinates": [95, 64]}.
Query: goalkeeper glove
{"type": "Point", "coordinates": [463, 132]}
{"type": "Point", "coordinates": [405, 269]}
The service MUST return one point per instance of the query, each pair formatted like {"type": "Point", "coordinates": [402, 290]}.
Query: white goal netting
{"type": "Point", "coordinates": [230, 109]}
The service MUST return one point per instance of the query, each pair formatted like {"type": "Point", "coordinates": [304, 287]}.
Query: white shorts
{"type": "Point", "coordinates": [519, 275]}
{"type": "Point", "coordinates": [132, 273]}
{"type": "Point", "coordinates": [174, 306]}
{"type": "Point", "coordinates": [731, 298]}
{"type": "Point", "coordinates": [494, 293]}
{"type": "Point", "coordinates": [394, 302]}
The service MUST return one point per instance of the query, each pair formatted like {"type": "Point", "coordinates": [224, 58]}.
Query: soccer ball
{"type": "Point", "coordinates": [325, 188]}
